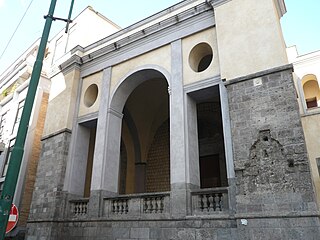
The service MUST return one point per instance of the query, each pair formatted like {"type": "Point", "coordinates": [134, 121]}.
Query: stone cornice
{"type": "Point", "coordinates": [88, 117]}
{"type": "Point", "coordinates": [216, 3]}
{"type": "Point", "coordinates": [205, 83]}
{"type": "Point", "coordinates": [150, 30]}
{"type": "Point", "coordinates": [73, 62]}
{"type": "Point", "coordinates": [281, 7]}
{"type": "Point", "coordinates": [141, 23]}
{"type": "Point", "coordinates": [259, 74]}
{"type": "Point", "coordinates": [148, 35]}
{"type": "Point", "coordinates": [62, 131]}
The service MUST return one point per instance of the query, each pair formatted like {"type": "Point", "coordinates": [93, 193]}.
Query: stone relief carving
{"type": "Point", "coordinates": [266, 168]}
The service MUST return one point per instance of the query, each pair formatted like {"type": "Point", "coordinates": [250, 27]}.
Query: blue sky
{"type": "Point", "coordinates": [301, 24]}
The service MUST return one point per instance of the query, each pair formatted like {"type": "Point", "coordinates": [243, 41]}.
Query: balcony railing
{"type": "Point", "coordinates": [79, 207]}
{"type": "Point", "coordinates": [210, 201]}
{"type": "Point", "coordinates": [145, 205]}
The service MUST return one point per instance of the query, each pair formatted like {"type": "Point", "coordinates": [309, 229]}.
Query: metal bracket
{"type": "Point", "coordinates": [57, 18]}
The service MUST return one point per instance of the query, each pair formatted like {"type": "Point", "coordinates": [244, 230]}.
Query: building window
{"type": "Point", "coordinates": [18, 117]}
{"type": "Point", "coordinates": [7, 159]}
{"type": "Point", "coordinates": [59, 49]}
{"type": "Point", "coordinates": [2, 124]}
{"type": "Point", "coordinates": [311, 102]}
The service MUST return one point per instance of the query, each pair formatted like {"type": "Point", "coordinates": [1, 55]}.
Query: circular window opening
{"type": "Point", "coordinates": [90, 96]}
{"type": "Point", "coordinates": [200, 57]}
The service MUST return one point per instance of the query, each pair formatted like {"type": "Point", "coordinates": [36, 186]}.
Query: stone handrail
{"type": "Point", "coordinates": [145, 205]}
{"type": "Point", "coordinates": [79, 207]}
{"type": "Point", "coordinates": [210, 201]}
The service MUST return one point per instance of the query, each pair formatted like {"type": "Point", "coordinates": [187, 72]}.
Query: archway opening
{"type": "Point", "coordinates": [311, 91]}
{"type": "Point", "coordinates": [145, 144]}
{"type": "Point", "coordinates": [212, 160]}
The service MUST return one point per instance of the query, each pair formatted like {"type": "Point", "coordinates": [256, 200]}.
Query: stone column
{"type": "Point", "coordinates": [178, 144]}
{"type": "Point", "coordinates": [111, 161]}
{"type": "Point", "coordinates": [301, 95]}
{"type": "Point", "coordinates": [227, 136]}
{"type": "Point", "coordinates": [77, 172]}
{"type": "Point", "coordinates": [99, 151]}
{"type": "Point", "coordinates": [192, 153]}
{"type": "Point", "coordinates": [105, 162]}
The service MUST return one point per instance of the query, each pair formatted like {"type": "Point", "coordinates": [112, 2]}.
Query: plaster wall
{"type": "Point", "coordinates": [88, 81]}
{"type": "Point", "coordinates": [311, 128]}
{"type": "Point", "coordinates": [62, 102]}
{"type": "Point", "coordinates": [249, 41]}
{"type": "Point", "coordinates": [160, 57]}
{"type": "Point", "coordinates": [208, 36]}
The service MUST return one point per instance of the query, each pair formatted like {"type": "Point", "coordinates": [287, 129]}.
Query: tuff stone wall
{"type": "Point", "coordinates": [204, 229]}
{"type": "Point", "coordinates": [272, 171]}
{"type": "Point", "coordinates": [48, 200]}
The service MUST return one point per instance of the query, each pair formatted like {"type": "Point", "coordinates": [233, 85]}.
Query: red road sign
{"type": "Point", "coordinates": [13, 218]}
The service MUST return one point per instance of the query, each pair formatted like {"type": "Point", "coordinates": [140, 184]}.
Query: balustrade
{"type": "Point", "coordinates": [136, 205]}
{"type": "Point", "coordinates": [120, 206]}
{"type": "Point", "coordinates": [155, 205]}
{"type": "Point", "coordinates": [79, 207]}
{"type": "Point", "coordinates": [208, 201]}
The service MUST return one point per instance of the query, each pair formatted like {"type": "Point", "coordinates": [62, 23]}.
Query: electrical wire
{"type": "Point", "coordinates": [15, 30]}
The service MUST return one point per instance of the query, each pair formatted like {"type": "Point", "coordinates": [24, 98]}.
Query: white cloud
{"type": "Point", "coordinates": [1, 3]}
{"type": "Point", "coordinates": [22, 2]}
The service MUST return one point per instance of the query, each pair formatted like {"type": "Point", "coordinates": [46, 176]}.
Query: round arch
{"type": "Point", "coordinates": [133, 79]}
{"type": "Point", "coordinates": [308, 77]}
{"type": "Point", "coordinates": [130, 90]}
{"type": "Point", "coordinates": [311, 90]}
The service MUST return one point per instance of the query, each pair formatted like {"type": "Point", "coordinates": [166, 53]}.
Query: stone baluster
{"type": "Point", "coordinates": [156, 204]}
{"type": "Point", "coordinates": [201, 204]}
{"type": "Point", "coordinates": [211, 203]}
{"type": "Point", "coordinates": [122, 202]}
{"type": "Point", "coordinates": [217, 200]}
{"type": "Point", "coordinates": [126, 209]}
{"type": "Point", "coordinates": [151, 205]}
{"type": "Point", "coordinates": [161, 204]}
{"type": "Point", "coordinates": [145, 205]}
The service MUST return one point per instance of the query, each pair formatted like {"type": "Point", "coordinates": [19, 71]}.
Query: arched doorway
{"type": "Point", "coordinates": [311, 90]}
{"type": "Point", "coordinates": [144, 151]}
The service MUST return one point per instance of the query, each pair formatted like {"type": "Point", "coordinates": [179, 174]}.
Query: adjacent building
{"type": "Point", "coordinates": [306, 76]}
{"type": "Point", "coordinates": [14, 83]}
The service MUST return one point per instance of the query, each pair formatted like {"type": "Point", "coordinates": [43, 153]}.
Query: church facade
{"type": "Point", "coordinates": [184, 125]}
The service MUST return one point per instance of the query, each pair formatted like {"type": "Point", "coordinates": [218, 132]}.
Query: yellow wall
{"type": "Point", "coordinates": [92, 79]}
{"type": "Point", "coordinates": [311, 127]}
{"type": "Point", "coordinates": [61, 107]}
{"type": "Point", "coordinates": [160, 57]}
{"type": "Point", "coordinates": [208, 36]}
{"type": "Point", "coordinates": [249, 41]}
{"type": "Point", "coordinates": [311, 89]}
